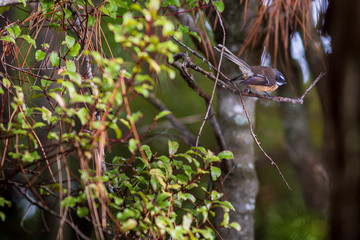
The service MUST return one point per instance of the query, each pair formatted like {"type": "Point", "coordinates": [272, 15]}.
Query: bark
{"type": "Point", "coordinates": [241, 185]}
{"type": "Point", "coordinates": [341, 100]}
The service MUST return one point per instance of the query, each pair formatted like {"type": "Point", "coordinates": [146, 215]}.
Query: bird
{"type": "Point", "coordinates": [260, 78]}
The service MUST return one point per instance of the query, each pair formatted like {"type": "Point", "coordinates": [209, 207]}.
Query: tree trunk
{"type": "Point", "coordinates": [241, 185]}
{"type": "Point", "coordinates": [341, 101]}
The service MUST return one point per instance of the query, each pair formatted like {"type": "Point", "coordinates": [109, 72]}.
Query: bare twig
{"type": "Point", "coordinates": [257, 141]}
{"type": "Point", "coordinates": [234, 90]}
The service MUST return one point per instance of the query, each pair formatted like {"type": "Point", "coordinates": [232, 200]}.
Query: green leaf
{"type": "Point", "coordinates": [116, 129]}
{"type": "Point", "coordinates": [235, 225]}
{"type": "Point", "coordinates": [30, 156]}
{"type": "Point", "coordinates": [161, 200]}
{"type": "Point", "coordinates": [7, 38]}
{"type": "Point", "coordinates": [23, 2]}
{"type": "Point", "coordinates": [127, 213]}
{"type": "Point", "coordinates": [225, 222]}
{"type": "Point", "coordinates": [39, 124]}
{"type": "Point", "coordinates": [82, 211]}
{"type": "Point", "coordinates": [143, 91]}
{"type": "Point", "coordinates": [14, 31]}
{"type": "Point", "coordinates": [132, 145]}
{"type": "Point", "coordinates": [162, 114]}
{"type": "Point", "coordinates": [215, 172]}
{"type": "Point", "coordinates": [69, 41]}
{"type": "Point", "coordinates": [68, 201]}
{"type": "Point", "coordinates": [45, 83]}
{"type": "Point", "coordinates": [6, 82]}
{"type": "Point", "coordinates": [194, 34]}
{"type": "Point", "coordinates": [39, 55]}
{"type": "Point", "coordinates": [29, 40]}
{"type": "Point", "coordinates": [166, 3]}
{"type": "Point", "coordinates": [54, 59]}
{"type": "Point", "coordinates": [147, 151]}
{"type": "Point", "coordinates": [70, 65]}
{"type": "Point", "coordinates": [128, 225]}
{"type": "Point", "coordinates": [173, 147]}
{"type": "Point", "coordinates": [37, 88]}
{"type": "Point", "coordinates": [118, 201]}
{"type": "Point", "coordinates": [74, 50]}
{"type": "Point", "coordinates": [226, 155]}
{"type": "Point", "coordinates": [228, 205]}
{"type": "Point", "coordinates": [219, 6]}
{"type": "Point", "coordinates": [82, 114]}
{"type": "Point", "coordinates": [2, 216]}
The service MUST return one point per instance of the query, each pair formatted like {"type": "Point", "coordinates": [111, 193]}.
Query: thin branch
{"type": "Point", "coordinates": [234, 90]}
{"type": "Point", "coordinates": [257, 141]}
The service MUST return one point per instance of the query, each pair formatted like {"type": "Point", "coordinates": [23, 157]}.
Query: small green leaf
{"type": "Point", "coordinates": [132, 145]}
{"type": "Point", "coordinates": [83, 114]}
{"type": "Point", "coordinates": [45, 83]}
{"type": "Point", "coordinates": [54, 59]}
{"type": "Point", "coordinates": [127, 213]}
{"type": "Point", "coordinates": [23, 2]}
{"type": "Point", "coordinates": [74, 50]}
{"type": "Point", "coordinates": [226, 155]}
{"type": "Point", "coordinates": [2, 216]}
{"type": "Point", "coordinates": [29, 40]}
{"type": "Point", "coordinates": [14, 31]}
{"type": "Point", "coordinates": [82, 211]}
{"type": "Point", "coordinates": [162, 114]}
{"type": "Point", "coordinates": [147, 151]}
{"type": "Point", "coordinates": [219, 6]}
{"type": "Point", "coordinates": [128, 225]}
{"type": "Point", "coordinates": [173, 147]}
{"type": "Point", "coordinates": [215, 172]}
{"type": "Point", "coordinates": [7, 38]}
{"type": "Point", "coordinates": [6, 82]}
{"type": "Point", "coordinates": [235, 225]}
{"type": "Point", "coordinates": [118, 201]}
{"type": "Point", "coordinates": [39, 55]}
{"type": "Point", "coordinates": [161, 200]}
{"type": "Point", "coordinates": [70, 65]}
{"type": "Point", "coordinates": [228, 205]}
{"type": "Point", "coordinates": [36, 88]}
{"type": "Point", "coordinates": [194, 34]}
{"type": "Point", "coordinates": [68, 201]}
{"type": "Point", "coordinates": [166, 3]}
{"type": "Point", "coordinates": [69, 41]}
{"type": "Point", "coordinates": [38, 124]}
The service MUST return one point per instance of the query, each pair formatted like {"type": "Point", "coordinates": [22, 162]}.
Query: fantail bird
{"type": "Point", "coordinates": [260, 78]}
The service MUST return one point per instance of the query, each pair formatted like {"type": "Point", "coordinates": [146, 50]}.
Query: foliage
{"type": "Point", "coordinates": [65, 99]}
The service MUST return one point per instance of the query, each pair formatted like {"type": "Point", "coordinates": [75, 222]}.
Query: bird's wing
{"type": "Point", "coordinates": [244, 67]}
{"type": "Point", "coordinates": [255, 80]}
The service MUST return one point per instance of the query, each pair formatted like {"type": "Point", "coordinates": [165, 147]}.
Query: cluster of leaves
{"type": "Point", "coordinates": [162, 196]}
{"type": "Point", "coordinates": [149, 195]}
